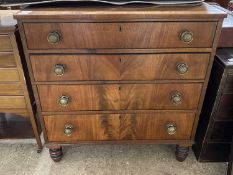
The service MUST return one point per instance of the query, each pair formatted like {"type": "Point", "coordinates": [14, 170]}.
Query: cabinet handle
{"type": "Point", "coordinates": [176, 97]}
{"type": "Point", "coordinates": [181, 68]}
{"type": "Point", "coordinates": [171, 128]}
{"type": "Point", "coordinates": [54, 37]}
{"type": "Point", "coordinates": [68, 129]}
{"type": "Point", "coordinates": [59, 69]}
{"type": "Point", "coordinates": [64, 100]}
{"type": "Point", "coordinates": [186, 36]}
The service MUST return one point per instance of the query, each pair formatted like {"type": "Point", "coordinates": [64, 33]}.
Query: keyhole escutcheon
{"type": "Point", "coordinates": [120, 28]}
{"type": "Point", "coordinates": [120, 60]}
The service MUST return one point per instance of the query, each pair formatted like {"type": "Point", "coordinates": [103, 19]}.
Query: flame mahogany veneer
{"type": "Point", "coordinates": [117, 74]}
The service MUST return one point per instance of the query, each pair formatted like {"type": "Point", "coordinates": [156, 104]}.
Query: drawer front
{"type": "Point", "coordinates": [9, 75]}
{"type": "Point", "coordinates": [225, 108]}
{"type": "Point", "coordinates": [81, 97]}
{"type": "Point", "coordinates": [5, 43]}
{"type": "Point", "coordinates": [116, 97]}
{"type": "Point", "coordinates": [12, 102]}
{"type": "Point", "coordinates": [11, 89]}
{"type": "Point", "coordinates": [119, 67]}
{"type": "Point", "coordinates": [137, 35]}
{"type": "Point", "coordinates": [7, 60]}
{"type": "Point", "coordinates": [222, 132]}
{"type": "Point", "coordinates": [160, 96]}
{"type": "Point", "coordinates": [149, 126]}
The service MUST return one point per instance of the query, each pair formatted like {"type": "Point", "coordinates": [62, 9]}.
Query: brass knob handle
{"type": "Point", "coordinates": [59, 69]}
{"type": "Point", "coordinates": [176, 97]}
{"type": "Point", "coordinates": [186, 36]}
{"type": "Point", "coordinates": [54, 37]}
{"type": "Point", "coordinates": [181, 68]}
{"type": "Point", "coordinates": [171, 129]}
{"type": "Point", "coordinates": [64, 100]}
{"type": "Point", "coordinates": [68, 129]}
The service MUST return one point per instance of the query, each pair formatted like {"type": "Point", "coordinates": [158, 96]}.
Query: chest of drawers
{"type": "Point", "coordinates": [17, 107]}
{"type": "Point", "coordinates": [111, 74]}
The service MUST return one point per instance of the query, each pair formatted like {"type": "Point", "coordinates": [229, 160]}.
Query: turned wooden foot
{"type": "Point", "coordinates": [181, 152]}
{"type": "Point", "coordinates": [56, 154]}
{"type": "Point", "coordinates": [3, 120]}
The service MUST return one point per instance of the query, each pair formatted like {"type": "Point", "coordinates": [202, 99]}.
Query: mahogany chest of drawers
{"type": "Point", "coordinates": [17, 107]}
{"type": "Point", "coordinates": [215, 129]}
{"type": "Point", "coordinates": [134, 74]}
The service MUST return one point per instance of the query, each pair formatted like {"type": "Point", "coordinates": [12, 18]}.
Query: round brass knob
{"type": "Point", "coordinates": [171, 129]}
{"type": "Point", "coordinates": [59, 69]}
{"type": "Point", "coordinates": [68, 129]}
{"type": "Point", "coordinates": [186, 36]}
{"type": "Point", "coordinates": [176, 97]}
{"type": "Point", "coordinates": [64, 100]}
{"type": "Point", "coordinates": [54, 37]}
{"type": "Point", "coordinates": [181, 68]}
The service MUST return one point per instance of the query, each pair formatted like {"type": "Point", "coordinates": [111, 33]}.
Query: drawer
{"type": "Point", "coordinates": [7, 60]}
{"type": "Point", "coordinates": [225, 108]}
{"type": "Point", "coordinates": [133, 35]}
{"type": "Point", "coordinates": [119, 67]}
{"type": "Point", "coordinates": [9, 75]}
{"type": "Point", "coordinates": [12, 102]}
{"type": "Point", "coordinates": [119, 96]}
{"type": "Point", "coordinates": [222, 132]}
{"type": "Point", "coordinates": [11, 89]}
{"type": "Point", "coordinates": [138, 126]}
{"type": "Point", "coordinates": [5, 43]}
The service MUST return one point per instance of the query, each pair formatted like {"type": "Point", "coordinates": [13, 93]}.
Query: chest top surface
{"type": "Point", "coordinates": [128, 12]}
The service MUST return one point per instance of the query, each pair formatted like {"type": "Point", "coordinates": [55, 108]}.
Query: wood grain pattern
{"type": "Point", "coordinates": [7, 60]}
{"type": "Point", "coordinates": [158, 96]}
{"type": "Point", "coordinates": [5, 43]}
{"type": "Point", "coordinates": [120, 51]}
{"type": "Point", "coordinates": [11, 89]}
{"type": "Point", "coordinates": [7, 75]}
{"type": "Point", "coordinates": [119, 35]}
{"type": "Point", "coordinates": [12, 102]}
{"type": "Point", "coordinates": [83, 97]}
{"type": "Point", "coordinates": [118, 96]}
{"type": "Point", "coordinates": [93, 13]}
{"type": "Point", "coordinates": [119, 67]}
{"type": "Point", "coordinates": [119, 127]}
